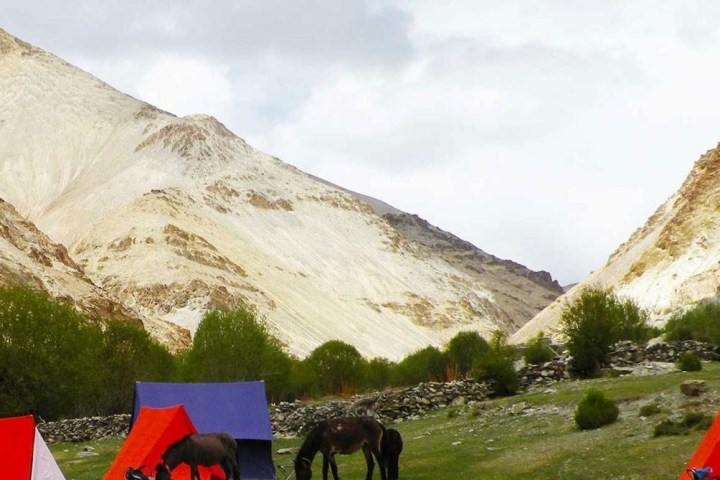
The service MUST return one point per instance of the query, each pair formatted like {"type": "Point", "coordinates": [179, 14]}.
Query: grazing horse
{"type": "Point", "coordinates": [201, 449]}
{"type": "Point", "coordinates": [391, 448]}
{"type": "Point", "coordinates": [344, 436]}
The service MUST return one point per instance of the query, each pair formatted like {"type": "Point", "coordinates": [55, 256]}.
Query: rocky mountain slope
{"type": "Point", "coordinates": [168, 217]}
{"type": "Point", "coordinates": [670, 263]}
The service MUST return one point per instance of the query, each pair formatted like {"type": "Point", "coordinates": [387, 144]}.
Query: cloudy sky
{"type": "Point", "coordinates": [541, 131]}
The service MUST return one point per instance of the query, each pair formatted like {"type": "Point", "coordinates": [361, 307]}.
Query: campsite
{"type": "Point", "coordinates": [541, 442]}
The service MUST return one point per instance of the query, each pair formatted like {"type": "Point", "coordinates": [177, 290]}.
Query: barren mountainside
{"type": "Point", "coordinates": [667, 265]}
{"type": "Point", "coordinates": [168, 217]}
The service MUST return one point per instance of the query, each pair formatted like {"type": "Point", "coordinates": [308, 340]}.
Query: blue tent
{"type": "Point", "coordinates": [238, 408]}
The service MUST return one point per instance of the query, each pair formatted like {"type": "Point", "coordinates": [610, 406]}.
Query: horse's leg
{"type": "Point", "coordinates": [231, 468]}
{"type": "Point", "coordinates": [382, 463]}
{"type": "Point", "coordinates": [370, 462]}
{"type": "Point", "coordinates": [333, 467]}
{"type": "Point", "coordinates": [326, 463]}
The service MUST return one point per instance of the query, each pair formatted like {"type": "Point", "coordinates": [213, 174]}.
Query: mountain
{"type": "Point", "coordinates": [671, 262]}
{"type": "Point", "coordinates": [169, 217]}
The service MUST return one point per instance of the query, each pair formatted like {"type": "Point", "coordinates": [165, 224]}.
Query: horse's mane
{"type": "Point", "coordinates": [309, 447]}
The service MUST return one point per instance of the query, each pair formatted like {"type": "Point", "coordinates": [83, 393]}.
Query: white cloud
{"type": "Point", "coordinates": [541, 131]}
{"type": "Point", "coordinates": [187, 85]}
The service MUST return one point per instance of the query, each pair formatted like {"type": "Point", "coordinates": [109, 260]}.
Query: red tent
{"type": "Point", "coordinates": [154, 430]}
{"type": "Point", "coordinates": [24, 452]}
{"type": "Point", "coordinates": [707, 453]}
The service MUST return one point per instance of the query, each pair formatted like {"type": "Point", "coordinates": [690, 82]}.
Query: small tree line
{"type": "Point", "coordinates": [55, 362]}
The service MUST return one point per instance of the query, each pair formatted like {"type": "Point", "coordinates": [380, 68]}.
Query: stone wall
{"type": "Point", "coordinates": [85, 429]}
{"type": "Point", "coordinates": [295, 418]}
{"type": "Point", "coordinates": [623, 354]}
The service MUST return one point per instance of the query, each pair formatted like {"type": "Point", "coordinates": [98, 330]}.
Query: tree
{"type": "Point", "coordinates": [427, 364]}
{"type": "Point", "coordinates": [463, 349]}
{"type": "Point", "coordinates": [496, 366]}
{"type": "Point", "coordinates": [338, 367]}
{"type": "Point", "coordinates": [701, 323]}
{"type": "Point", "coordinates": [128, 355]}
{"type": "Point", "coordinates": [377, 374]}
{"type": "Point", "coordinates": [537, 351]}
{"type": "Point", "coordinates": [594, 321]}
{"type": "Point", "coordinates": [46, 355]}
{"type": "Point", "coordinates": [234, 345]}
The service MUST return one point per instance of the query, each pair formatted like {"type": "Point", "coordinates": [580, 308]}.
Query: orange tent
{"type": "Point", "coordinates": [707, 453]}
{"type": "Point", "coordinates": [154, 431]}
{"type": "Point", "coordinates": [25, 455]}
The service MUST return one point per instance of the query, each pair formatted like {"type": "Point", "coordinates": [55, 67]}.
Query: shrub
{"type": "Point", "coordinates": [689, 362]}
{"type": "Point", "coordinates": [428, 364]}
{"type": "Point", "coordinates": [496, 366]}
{"type": "Point", "coordinates": [701, 323]}
{"type": "Point", "coordinates": [668, 427]}
{"type": "Point", "coordinates": [649, 410]}
{"type": "Point", "coordinates": [537, 351]}
{"type": "Point", "coordinates": [697, 420]}
{"type": "Point", "coordinates": [690, 421]}
{"type": "Point", "coordinates": [595, 320]}
{"type": "Point", "coordinates": [377, 373]}
{"type": "Point", "coordinates": [338, 367]}
{"type": "Point", "coordinates": [595, 410]}
{"type": "Point", "coordinates": [234, 345]}
{"type": "Point", "coordinates": [463, 349]}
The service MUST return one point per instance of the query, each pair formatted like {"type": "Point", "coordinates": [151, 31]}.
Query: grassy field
{"type": "Point", "coordinates": [490, 442]}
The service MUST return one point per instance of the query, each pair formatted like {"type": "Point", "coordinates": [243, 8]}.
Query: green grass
{"type": "Point", "coordinates": [541, 443]}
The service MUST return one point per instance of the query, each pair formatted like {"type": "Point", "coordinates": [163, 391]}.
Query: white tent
{"type": "Point", "coordinates": [26, 456]}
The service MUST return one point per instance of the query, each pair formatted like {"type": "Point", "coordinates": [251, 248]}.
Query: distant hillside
{"type": "Point", "coordinates": [668, 264]}
{"type": "Point", "coordinates": [169, 217]}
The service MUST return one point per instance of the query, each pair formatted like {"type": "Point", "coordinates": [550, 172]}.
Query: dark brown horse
{"type": "Point", "coordinates": [344, 436]}
{"type": "Point", "coordinates": [391, 448]}
{"type": "Point", "coordinates": [204, 449]}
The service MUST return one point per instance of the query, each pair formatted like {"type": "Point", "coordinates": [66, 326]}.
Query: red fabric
{"type": "Point", "coordinates": [17, 437]}
{"type": "Point", "coordinates": [154, 431]}
{"type": "Point", "coordinates": [707, 453]}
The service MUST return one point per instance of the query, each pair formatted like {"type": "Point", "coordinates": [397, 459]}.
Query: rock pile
{"type": "Point", "coordinates": [85, 429]}
{"type": "Point", "coordinates": [296, 418]}
{"type": "Point", "coordinates": [623, 354]}
{"type": "Point", "coordinates": [628, 353]}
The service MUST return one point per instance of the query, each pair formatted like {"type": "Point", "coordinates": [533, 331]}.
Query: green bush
{"type": "Point", "coordinates": [377, 373]}
{"type": "Point", "coordinates": [689, 362]}
{"type": "Point", "coordinates": [690, 421]}
{"type": "Point", "coordinates": [701, 323]}
{"type": "Point", "coordinates": [427, 364]}
{"type": "Point", "coordinates": [463, 349]}
{"type": "Point", "coordinates": [55, 362]}
{"type": "Point", "coordinates": [234, 345]}
{"type": "Point", "coordinates": [538, 351]}
{"type": "Point", "coordinates": [595, 320]}
{"type": "Point", "coordinates": [668, 428]}
{"type": "Point", "coordinates": [650, 410]}
{"type": "Point", "coordinates": [338, 367]}
{"type": "Point", "coordinates": [595, 411]}
{"type": "Point", "coordinates": [496, 366]}
{"type": "Point", "coordinates": [697, 420]}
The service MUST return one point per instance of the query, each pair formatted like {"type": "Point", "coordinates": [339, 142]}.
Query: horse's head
{"type": "Point", "coordinates": [162, 472]}
{"type": "Point", "coordinates": [303, 470]}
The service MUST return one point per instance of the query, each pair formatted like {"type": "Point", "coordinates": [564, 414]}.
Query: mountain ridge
{"type": "Point", "coordinates": [173, 215]}
{"type": "Point", "coordinates": [669, 263]}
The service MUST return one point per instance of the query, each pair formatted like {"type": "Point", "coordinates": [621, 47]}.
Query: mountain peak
{"type": "Point", "coordinates": [672, 261]}
{"type": "Point", "coordinates": [175, 216]}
